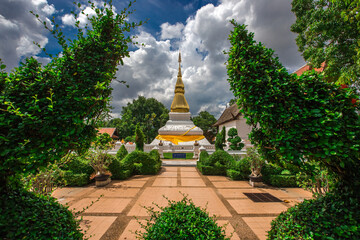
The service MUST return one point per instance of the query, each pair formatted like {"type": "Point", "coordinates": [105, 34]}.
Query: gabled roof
{"type": "Point", "coordinates": [231, 113]}
{"type": "Point", "coordinates": [110, 131]}
{"type": "Point", "coordinates": [308, 68]}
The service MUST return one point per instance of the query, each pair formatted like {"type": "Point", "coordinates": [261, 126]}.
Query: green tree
{"type": "Point", "coordinates": [220, 140]}
{"type": "Point", "coordinates": [139, 138]}
{"type": "Point", "coordinates": [296, 119]}
{"type": "Point", "coordinates": [205, 121]}
{"type": "Point", "coordinates": [325, 36]}
{"type": "Point", "coordinates": [48, 111]}
{"type": "Point", "coordinates": [234, 139]}
{"type": "Point", "coordinates": [148, 112]}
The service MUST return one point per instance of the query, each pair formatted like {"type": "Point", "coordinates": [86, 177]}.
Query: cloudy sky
{"type": "Point", "coordinates": [199, 28]}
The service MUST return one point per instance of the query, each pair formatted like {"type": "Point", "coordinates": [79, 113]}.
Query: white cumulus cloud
{"type": "Point", "coordinates": [151, 70]}
{"type": "Point", "coordinates": [19, 29]}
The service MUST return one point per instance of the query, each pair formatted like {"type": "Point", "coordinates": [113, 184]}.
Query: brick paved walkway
{"type": "Point", "coordinates": [112, 217]}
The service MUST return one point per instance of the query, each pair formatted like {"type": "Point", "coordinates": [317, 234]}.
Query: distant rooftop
{"type": "Point", "coordinates": [110, 131]}
{"type": "Point", "coordinates": [308, 68]}
{"type": "Point", "coordinates": [229, 114]}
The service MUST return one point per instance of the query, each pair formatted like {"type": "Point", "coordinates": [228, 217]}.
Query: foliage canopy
{"type": "Point", "coordinates": [51, 110]}
{"type": "Point", "coordinates": [294, 119]}
{"type": "Point", "coordinates": [326, 35]}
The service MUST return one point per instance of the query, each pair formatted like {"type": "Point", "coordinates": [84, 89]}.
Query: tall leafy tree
{"type": "Point", "coordinates": [205, 121]}
{"type": "Point", "coordinates": [148, 112]}
{"type": "Point", "coordinates": [295, 119]}
{"type": "Point", "coordinates": [48, 111]}
{"type": "Point", "coordinates": [325, 36]}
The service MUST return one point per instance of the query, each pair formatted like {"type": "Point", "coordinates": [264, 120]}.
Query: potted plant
{"type": "Point", "coordinates": [99, 159]}
{"type": "Point", "coordinates": [256, 163]}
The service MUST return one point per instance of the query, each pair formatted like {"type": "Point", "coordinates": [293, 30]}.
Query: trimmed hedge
{"type": "Point", "coordinates": [216, 164]}
{"type": "Point", "coordinates": [118, 171]}
{"type": "Point", "coordinates": [76, 172]}
{"type": "Point", "coordinates": [283, 180]}
{"type": "Point", "coordinates": [26, 215]}
{"type": "Point", "coordinates": [239, 170]}
{"type": "Point", "coordinates": [75, 179]}
{"type": "Point", "coordinates": [181, 220]}
{"type": "Point", "coordinates": [138, 162]}
{"type": "Point", "coordinates": [333, 216]}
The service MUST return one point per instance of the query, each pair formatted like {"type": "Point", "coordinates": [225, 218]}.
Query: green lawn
{"type": "Point", "coordinates": [169, 155]}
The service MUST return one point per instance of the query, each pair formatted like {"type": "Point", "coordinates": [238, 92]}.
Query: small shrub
{"type": "Point", "coordinates": [216, 164]}
{"type": "Point", "coordinates": [118, 171]}
{"type": "Point", "coordinates": [78, 164]}
{"type": "Point", "coordinates": [139, 138]}
{"type": "Point", "coordinates": [239, 170]}
{"type": "Point", "coordinates": [283, 180]}
{"type": "Point", "coordinates": [203, 155]}
{"type": "Point", "coordinates": [154, 154]}
{"type": "Point", "coordinates": [181, 220]}
{"type": "Point", "coordinates": [121, 153]}
{"type": "Point", "coordinates": [25, 215]}
{"type": "Point", "coordinates": [75, 179]}
{"type": "Point", "coordinates": [234, 139]}
{"type": "Point", "coordinates": [333, 216]}
{"type": "Point", "coordinates": [138, 162]}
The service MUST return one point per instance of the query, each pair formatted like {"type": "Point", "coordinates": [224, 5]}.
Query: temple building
{"type": "Point", "coordinates": [180, 130]}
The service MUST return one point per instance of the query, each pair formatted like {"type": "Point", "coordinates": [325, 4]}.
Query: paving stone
{"type": "Point", "coordinates": [185, 174]}
{"type": "Point", "coordinates": [72, 191]}
{"type": "Point", "coordinates": [165, 182]}
{"type": "Point", "coordinates": [104, 205]}
{"type": "Point", "coordinates": [218, 178]}
{"type": "Point", "coordinates": [200, 196]}
{"type": "Point", "coordinates": [129, 232]}
{"type": "Point", "coordinates": [228, 229]}
{"type": "Point", "coordinates": [170, 169]}
{"type": "Point", "coordinates": [115, 192]}
{"type": "Point", "coordinates": [96, 226]}
{"type": "Point", "coordinates": [192, 182]}
{"type": "Point", "coordinates": [188, 169]}
{"type": "Point", "coordinates": [167, 174]}
{"type": "Point", "coordinates": [236, 192]}
{"type": "Point", "coordinates": [259, 225]}
{"type": "Point", "coordinates": [140, 177]}
{"type": "Point", "coordinates": [127, 183]}
{"type": "Point", "coordinates": [246, 206]}
{"type": "Point", "coordinates": [232, 184]}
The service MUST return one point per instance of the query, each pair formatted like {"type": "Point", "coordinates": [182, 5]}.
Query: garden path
{"type": "Point", "coordinates": [112, 217]}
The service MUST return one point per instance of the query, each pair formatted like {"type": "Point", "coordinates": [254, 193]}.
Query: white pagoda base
{"type": "Point", "coordinates": [178, 125]}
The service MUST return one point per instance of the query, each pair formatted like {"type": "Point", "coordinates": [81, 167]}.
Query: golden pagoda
{"type": "Point", "coordinates": [179, 129]}
{"type": "Point", "coordinates": [179, 103]}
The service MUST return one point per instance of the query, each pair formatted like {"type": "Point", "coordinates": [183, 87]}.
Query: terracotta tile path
{"type": "Point", "coordinates": [112, 216]}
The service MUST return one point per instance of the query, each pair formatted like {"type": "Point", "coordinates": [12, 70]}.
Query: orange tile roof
{"type": "Point", "coordinates": [110, 131]}
{"type": "Point", "coordinates": [308, 68]}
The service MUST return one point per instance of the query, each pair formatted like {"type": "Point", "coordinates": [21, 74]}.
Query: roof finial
{"type": "Point", "coordinates": [179, 74]}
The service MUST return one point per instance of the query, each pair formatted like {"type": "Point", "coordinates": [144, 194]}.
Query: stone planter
{"type": "Point", "coordinates": [102, 180]}
{"type": "Point", "coordinates": [256, 181]}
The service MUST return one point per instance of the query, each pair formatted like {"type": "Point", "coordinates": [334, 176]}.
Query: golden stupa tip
{"type": "Point", "coordinates": [179, 103]}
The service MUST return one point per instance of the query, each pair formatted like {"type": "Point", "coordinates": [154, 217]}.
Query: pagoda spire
{"type": "Point", "coordinates": [179, 103]}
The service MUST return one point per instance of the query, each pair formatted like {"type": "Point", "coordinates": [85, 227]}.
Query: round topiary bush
{"type": "Point", "coordinates": [333, 216]}
{"type": "Point", "coordinates": [138, 162]}
{"type": "Point", "coordinates": [26, 215]}
{"type": "Point", "coordinates": [181, 220]}
{"type": "Point", "coordinates": [216, 164]}
{"type": "Point", "coordinates": [239, 170]}
{"type": "Point", "coordinates": [118, 171]}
